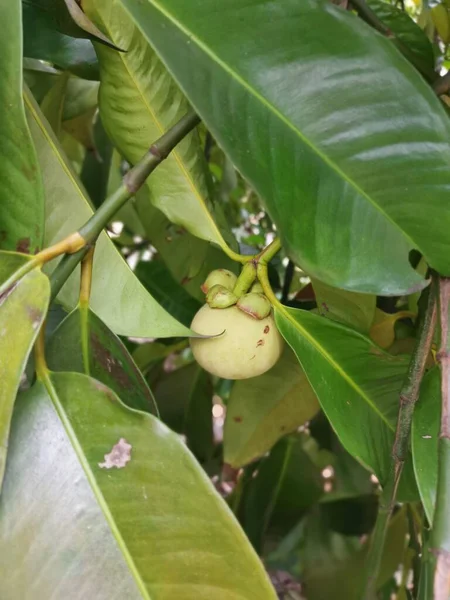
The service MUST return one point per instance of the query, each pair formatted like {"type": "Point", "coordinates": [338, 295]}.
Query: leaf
{"type": "Point", "coordinates": [68, 53]}
{"type": "Point", "coordinates": [83, 343]}
{"type": "Point", "coordinates": [21, 191]}
{"type": "Point", "coordinates": [185, 401]}
{"type": "Point", "coordinates": [405, 29]}
{"type": "Point", "coordinates": [287, 481]}
{"type": "Point", "coordinates": [162, 512]}
{"type": "Point", "coordinates": [170, 294]}
{"type": "Point", "coordinates": [67, 17]}
{"type": "Point", "coordinates": [340, 179]}
{"type": "Point", "coordinates": [130, 310]}
{"type": "Point", "coordinates": [22, 311]}
{"type": "Point", "coordinates": [357, 385]}
{"type": "Point", "coordinates": [53, 103]}
{"type": "Point", "coordinates": [382, 331]}
{"type": "Point", "coordinates": [350, 308]}
{"type": "Point", "coordinates": [81, 96]}
{"type": "Point", "coordinates": [332, 565]}
{"type": "Point", "coordinates": [263, 409]}
{"type": "Point", "coordinates": [134, 92]}
{"type": "Point", "coordinates": [439, 14]}
{"type": "Point", "coordinates": [188, 258]}
{"type": "Point", "coordinates": [425, 440]}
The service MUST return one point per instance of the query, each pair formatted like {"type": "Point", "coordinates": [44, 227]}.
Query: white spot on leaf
{"type": "Point", "coordinates": [118, 457]}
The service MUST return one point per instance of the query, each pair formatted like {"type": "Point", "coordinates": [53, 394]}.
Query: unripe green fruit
{"type": "Point", "coordinates": [247, 348]}
{"type": "Point", "coordinates": [219, 297]}
{"type": "Point", "coordinates": [219, 277]}
{"type": "Point", "coordinates": [255, 305]}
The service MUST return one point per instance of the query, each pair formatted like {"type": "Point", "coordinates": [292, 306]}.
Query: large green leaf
{"type": "Point", "coordinates": [117, 297]}
{"type": "Point", "coordinates": [287, 482]}
{"type": "Point", "coordinates": [425, 440]}
{"type": "Point", "coordinates": [21, 191]}
{"type": "Point", "coordinates": [44, 42]}
{"type": "Point", "coordinates": [263, 409]}
{"type": "Point", "coordinates": [350, 308]}
{"type": "Point", "coordinates": [352, 184]}
{"type": "Point", "coordinates": [174, 532]}
{"type": "Point", "coordinates": [185, 401]}
{"type": "Point", "coordinates": [164, 288]}
{"type": "Point", "coordinates": [357, 384]}
{"type": "Point", "coordinates": [22, 310]}
{"type": "Point", "coordinates": [138, 101]}
{"type": "Point", "coordinates": [84, 344]}
{"type": "Point", "coordinates": [189, 258]}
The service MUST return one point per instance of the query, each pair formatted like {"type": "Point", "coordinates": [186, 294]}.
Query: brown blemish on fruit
{"type": "Point", "coordinates": [254, 356]}
{"type": "Point", "coordinates": [237, 419]}
{"type": "Point", "coordinates": [266, 329]}
{"type": "Point", "coordinates": [260, 343]}
{"type": "Point", "coordinates": [23, 245]}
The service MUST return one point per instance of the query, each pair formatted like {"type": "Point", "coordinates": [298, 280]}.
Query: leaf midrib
{"type": "Point", "coordinates": [314, 149]}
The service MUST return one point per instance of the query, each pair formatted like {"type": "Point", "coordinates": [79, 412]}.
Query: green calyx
{"type": "Point", "coordinates": [221, 277]}
{"type": "Point", "coordinates": [256, 305]}
{"type": "Point", "coordinates": [219, 296]}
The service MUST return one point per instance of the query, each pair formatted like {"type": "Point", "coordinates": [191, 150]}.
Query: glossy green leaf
{"type": "Point", "coordinates": [341, 179]}
{"type": "Point", "coordinates": [22, 311]}
{"type": "Point", "coordinates": [425, 439]}
{"type": "Point", "coordinates": [189, 258]}
{"type": "Point", "coordinates": [84, 344]}
{"type": "Point", "coordinates": [350, 308]}
{"type": "Point", "coordinates": [185, 402]}
{"type": "Point", "coordinates": [67, 17]}
{"type": "Point", "coordinates": [81, 96]}
{"type": "Point", "coordinates": [287, 481]}
{"type": "Point", "coordinates": [44, 42]}
{"type": "Point", "coordinates": [357, 385]}
{"type": "Point", "coordinates": [166, 520]}
{"type": "Point", "coordinates": [263, 409]}
{"type": "Point", "coordinates": [21, 191]}
{"type": "Point", "coordinates": [130, 309]}
{"type": "Point", "coordinates": [138, 101]}
{"type": "Point", "coordinates": [52, 104]}
{"type": "Point", "coordinates": [171, 295]}
{"type": "Point", "coordinates": [406, 30]}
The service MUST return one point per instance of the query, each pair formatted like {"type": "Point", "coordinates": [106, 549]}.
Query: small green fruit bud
{"type": "Point", "coordinates": [219, 297]}
{"type": "Point", "coordinates": [257, 288]}
{"type": "Point", "coordinates": [255, 305]}
{"type": "Point", "coordinates": [222, 277]}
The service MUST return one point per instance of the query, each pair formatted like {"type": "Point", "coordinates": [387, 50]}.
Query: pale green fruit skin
{"type": "Point", "coordinates": [248, 347]}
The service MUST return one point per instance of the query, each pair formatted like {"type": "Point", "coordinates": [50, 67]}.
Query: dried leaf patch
{"type": "Point", "coordinates": [119, 456]}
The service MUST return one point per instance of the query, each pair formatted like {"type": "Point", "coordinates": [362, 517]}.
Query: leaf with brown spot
{"type": "Point", "coordinates": [119, 456]}
{"type": "Point", "coordinates": [83, 343]}
{"type": "Point", "coordinates": [131, 518]}
{"type": "Point", "coordinates": [22, 311]}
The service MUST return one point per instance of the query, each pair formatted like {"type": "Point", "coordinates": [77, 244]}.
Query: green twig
{"type": "Point", "coordinates": [440, 533]}
{"type": "Point", "coordinates": [408, 397]}
{"type": "Point", "coordinates": [132, 181]}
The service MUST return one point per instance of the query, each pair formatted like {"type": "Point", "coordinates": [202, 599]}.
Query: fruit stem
{"type": "Point", "coordinates": [250, 268]}
{"type": "Point", "coordinates": [245, 279]}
